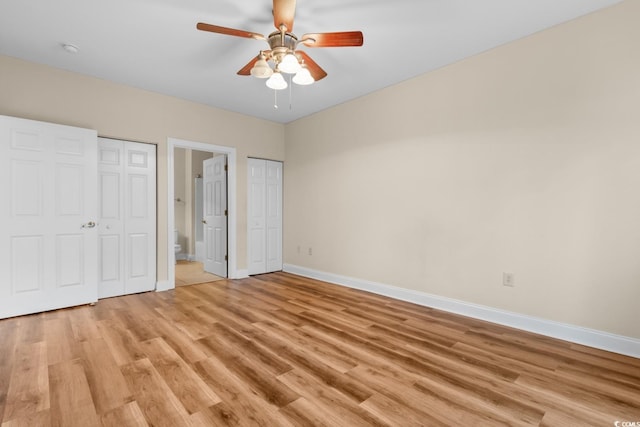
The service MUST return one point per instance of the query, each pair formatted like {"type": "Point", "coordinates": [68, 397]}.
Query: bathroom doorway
{"type": "Point", "coordinates": [200, 246]}
{"type": "Point", "coordinates": [188, 248]}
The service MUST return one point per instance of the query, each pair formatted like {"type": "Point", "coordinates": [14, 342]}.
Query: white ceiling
{"type": "Point", "coordinates": [154, 44]}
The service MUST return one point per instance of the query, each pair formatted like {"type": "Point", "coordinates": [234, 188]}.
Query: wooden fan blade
{"type": "Point", "coordinates": [246, 70]}
{"type": "Point", "coordinates": [340, 39]}
{"type": "Point", "coordinates": [283, 13]}
{"type": "Point", "coordinates": [316, 72]}
{"type": "Point", "coordinates": [228, 31]}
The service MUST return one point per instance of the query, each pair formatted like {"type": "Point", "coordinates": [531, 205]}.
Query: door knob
{"type": "Point", "coordinates": [90, 224]}
{"type": "Point", "coordinates": [204, 221]}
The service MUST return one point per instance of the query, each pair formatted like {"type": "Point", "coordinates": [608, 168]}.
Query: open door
{"type": "Point", "coordinates": [48, 216]}
{"type": "Point", "coordinates": [215, 215]}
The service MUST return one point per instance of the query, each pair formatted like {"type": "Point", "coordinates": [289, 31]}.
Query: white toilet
{"type": "Point", "coordinates": [176, 246]}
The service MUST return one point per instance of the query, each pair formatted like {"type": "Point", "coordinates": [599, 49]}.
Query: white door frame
{"type": "Point", "coordinates": [173, 143]}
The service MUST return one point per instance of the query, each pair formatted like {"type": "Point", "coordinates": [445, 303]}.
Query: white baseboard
{"type": "Point", "coordinates": [576, 334]}
{"type": "Point", "coordinates": [240, 274]}
{"type": "Point", "coordinates": [162, 285]}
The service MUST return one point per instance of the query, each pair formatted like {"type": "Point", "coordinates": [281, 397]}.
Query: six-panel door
{"type": "Point", "coordinates": [264, 212]}
{"type": "Point", "coordinates": [215, 215]}
{"type": "Point", "coordinates": [127, 212]}
{"type": "Point", "coordinates": [48, 216]}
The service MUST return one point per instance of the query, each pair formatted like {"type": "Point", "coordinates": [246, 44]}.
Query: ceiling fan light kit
{"type": "Point", "coordinates": [303, 77]}
{"type": "Point", "coordinates": [283, 48]}
{"type": "Point", "coordinates": [276, 81]}
{"type": "Point", "coordinates": [289, 64]}
{"type": "Point", "coordinates": [261, 69]}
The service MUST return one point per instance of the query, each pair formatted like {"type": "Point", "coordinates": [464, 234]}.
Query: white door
{"type": "Point", "coordinates": [48, 214]}
{"type": "Point", "coordinates": [215, 215]}
{"type": "Point", "coordinates": [264, 216]}
{"type": "Point", "coordinates": [127, 212]}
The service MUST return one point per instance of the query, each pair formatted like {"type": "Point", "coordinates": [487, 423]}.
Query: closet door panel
{"type": "Point", "coordinates": [127, 195]}
{"type": "Point", "coordinates": [264, 234]}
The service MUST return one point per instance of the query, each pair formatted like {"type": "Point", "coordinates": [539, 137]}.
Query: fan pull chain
{"type": "Point", "coordinates": [275, 99]}
{"type": "Point", "coordinates": [290, 92]}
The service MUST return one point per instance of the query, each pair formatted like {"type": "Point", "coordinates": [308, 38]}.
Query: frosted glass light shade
{"type": "Point", "coordinates": [289, 64]}
{"type": "Point", "coordinates": [276, 82]}
{"type": "Point", "coordinates": [303, 77]}
{"type": "Point", "coordinates": [261, 69]}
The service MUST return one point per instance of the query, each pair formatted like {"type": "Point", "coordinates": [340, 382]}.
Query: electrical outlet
{"type": "Point", "coordinates": [310, 251]}
{"type": "Point", "coordinates": [508, 279]}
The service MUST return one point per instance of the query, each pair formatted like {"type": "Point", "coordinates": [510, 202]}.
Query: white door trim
{"type": "Point", "coordinates": [173, 143]}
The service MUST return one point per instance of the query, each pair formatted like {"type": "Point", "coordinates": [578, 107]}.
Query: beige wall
{"type": "Point", "coordinates": [43, 93]}
{"type": "Point", "coordinates": [524, 159]}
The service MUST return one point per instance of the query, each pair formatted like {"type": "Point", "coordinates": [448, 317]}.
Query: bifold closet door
{"type": "Point", "coordinates": [264, 233]}
{"type": "Point", "coordinates": [48, 216]}
{"type": "Point", "coordinates": [127, 211]}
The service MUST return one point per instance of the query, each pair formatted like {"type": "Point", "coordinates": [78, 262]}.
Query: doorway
{"type": "Point", "coordinates": [175, 207]}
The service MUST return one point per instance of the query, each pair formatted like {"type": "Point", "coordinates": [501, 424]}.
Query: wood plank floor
{"type": "Point", "coordinates": [281, 350]}
{"type": "Point", "coordinates": [192, 273]}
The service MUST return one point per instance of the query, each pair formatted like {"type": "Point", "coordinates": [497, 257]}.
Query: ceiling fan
{"type": "Point", "coordinates": [283, 48]}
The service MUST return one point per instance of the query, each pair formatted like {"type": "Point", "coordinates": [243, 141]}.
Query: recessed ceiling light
{"type": "Point", "coordinates": [70, 48]}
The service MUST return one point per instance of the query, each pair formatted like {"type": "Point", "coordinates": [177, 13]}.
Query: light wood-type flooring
{"type": "Point", "coordinates": [192, 272]}
{"type": "Point", "coordinates": [281, 350]}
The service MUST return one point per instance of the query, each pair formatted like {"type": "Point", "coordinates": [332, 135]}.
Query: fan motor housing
{"type": "Point", "coordinates": [281, 43]}
{"type": "Point", "coordinates": [285, 40]}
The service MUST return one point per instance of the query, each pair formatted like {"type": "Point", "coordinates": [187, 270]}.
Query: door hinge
{"type": "Point", "coordinates": [226, 213]}
{"type": "Point", "coordinates": [226, 168]}
{"type": "Point", "coordinates": [226, 258]}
